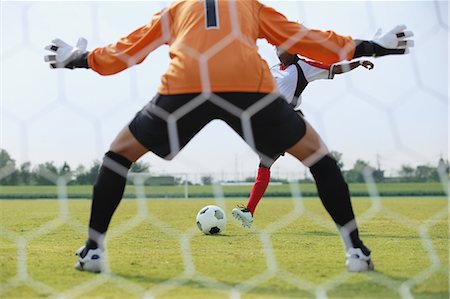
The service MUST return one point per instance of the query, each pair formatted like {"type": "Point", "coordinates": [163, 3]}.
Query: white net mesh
{"type": "Point", "coordinates": [37, 103]}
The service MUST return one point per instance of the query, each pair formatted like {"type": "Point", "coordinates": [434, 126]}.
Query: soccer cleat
{"type": "Point", "coordinates": [90, 260]}
{"type": "Point", "coordinates": [357, 261]}
{"type": "Point", "coordinates": [243, 215]}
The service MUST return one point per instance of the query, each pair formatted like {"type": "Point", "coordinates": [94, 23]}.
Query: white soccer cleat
{"type": "Point", "coordinates": [244, 216]}
{"type": "Point", "coordinates": [357, 261]}
{"type": "Point", "coordinates": [90, 260]}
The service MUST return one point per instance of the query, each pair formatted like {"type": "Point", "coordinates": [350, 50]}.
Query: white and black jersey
{"type": "Point", "coordinates": [292, 79]}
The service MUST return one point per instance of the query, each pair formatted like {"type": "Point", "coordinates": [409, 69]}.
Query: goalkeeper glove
{"type": "Point", "coordinates": [394, 42]}
{"type": "Point", "coordinates": [67, 56]}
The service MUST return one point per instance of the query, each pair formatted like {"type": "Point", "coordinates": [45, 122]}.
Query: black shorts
{"type": "Point", "coordinates": [267, 161]}
{"type": "Point", "coordinates": [168, 122]}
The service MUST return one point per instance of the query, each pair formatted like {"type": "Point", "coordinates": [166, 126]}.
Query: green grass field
{"type": "Point", "coordinates": [293, 251]}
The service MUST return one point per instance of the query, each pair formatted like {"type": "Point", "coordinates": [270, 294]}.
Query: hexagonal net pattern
{"type": "Point", "coordinates": [384, 99]}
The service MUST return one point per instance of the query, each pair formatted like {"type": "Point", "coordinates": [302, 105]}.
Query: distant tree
{"type": "Point", "coordinates": [426, 173]}
{"type": "Point", "coordinates": [356, 174]}
{"type": "Point", "coordinates": [206, 180]}
{"type": "Point", "coordinates": [8, 168]}
{"type": "Point", "coordinates": [406, 173]}
{"type": "Point", "coordinates": [378, 175]}
{"type": "Point", "coordinates": [44, 173]}
{"type": "Point", "coordinates": [87, 177]}
{"type": "Point", "coordinates": [25, 174]}
{"type": "Point", "coordinates": [180, 181]}
{"type": "Point", "coordinates": [5, 159]}
{"type": "Point", "coordinates": [443, 167]}
{"type": "Point", "coordinates": [249, 179]}
{"type": "Point", "coordinates": [140, 167]}
{"type": "Point", "coordinates": [78, 173]}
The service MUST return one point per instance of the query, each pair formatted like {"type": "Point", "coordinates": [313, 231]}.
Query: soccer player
{"type": "Point", "coordinates": [212, 45]}
{"type": "Point", "coordinates": [292, 76]}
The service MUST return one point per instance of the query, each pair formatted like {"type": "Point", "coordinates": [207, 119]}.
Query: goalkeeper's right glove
{"type": "Point", "coordinates": [394, 42]}
{"type": "Point", "coordinates": [67, 56]}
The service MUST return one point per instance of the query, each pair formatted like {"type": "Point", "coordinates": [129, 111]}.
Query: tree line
{"type": "Point", "coordinates": [46, 173]}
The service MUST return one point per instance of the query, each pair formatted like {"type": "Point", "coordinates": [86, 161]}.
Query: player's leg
{"type": "Point", "coordinates": [112, 178]}
{"type": "Point", "coordinates": [276, 128]}
{"type": "Point", "coordinates": [268, 120]}
{"type": "Point", "coordinates": [107, 194]}
{"type": "Point", "coordinates": [334, 194]}
{"type": "Point", "coordinates": [147, 131]}
{"type": "Point", "coordinates": [260, 186]}
{"type": "Point", "coordinates": [245, 214]}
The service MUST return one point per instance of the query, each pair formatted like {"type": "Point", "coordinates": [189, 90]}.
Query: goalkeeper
{"type": "Point", "coordinates": [208, 80]}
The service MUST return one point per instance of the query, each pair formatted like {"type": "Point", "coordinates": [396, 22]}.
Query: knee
{"type": "Point", "coordinates": [309, 151]}
{"type": "Point", "coordinates": [127, 146]}
{"type": "Point", "coordinates": [118, 147]}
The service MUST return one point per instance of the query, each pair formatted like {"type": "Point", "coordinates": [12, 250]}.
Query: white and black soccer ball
{"type": "Point", "coordinates": [211, 220]}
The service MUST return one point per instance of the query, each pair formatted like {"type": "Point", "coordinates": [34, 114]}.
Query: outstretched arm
{"type": "Point", "coordinates": [328, 47]}
{"type": "Point", "coordinates": [347, 67]}
{"type": "Point", "coordinates": [128, 51]}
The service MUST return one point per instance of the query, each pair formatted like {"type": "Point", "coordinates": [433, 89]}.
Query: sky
{"type": "Point", "coordinates": [396, 114]}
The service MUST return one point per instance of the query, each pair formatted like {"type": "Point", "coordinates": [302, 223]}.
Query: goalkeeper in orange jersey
{"type": "Point", "coordinates": [212, 75]}
{"type": "Point", "coordinates": [292, 76]}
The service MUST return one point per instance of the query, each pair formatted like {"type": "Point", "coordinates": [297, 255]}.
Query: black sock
{"type": "Point", "coordinates": [335, 196]}
{"type": "Point", "coordinates": [108, 191]}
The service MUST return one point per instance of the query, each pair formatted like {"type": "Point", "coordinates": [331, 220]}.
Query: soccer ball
{"type": "Point", "coordinates": [211, 220]}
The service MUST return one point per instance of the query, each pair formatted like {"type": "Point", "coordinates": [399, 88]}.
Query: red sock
{"type": "Point", "coordinates": [260, 186]}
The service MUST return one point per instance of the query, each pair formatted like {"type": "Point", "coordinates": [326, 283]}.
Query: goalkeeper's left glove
{"type": "Point", "coordinates": [394, 42]}
{"type": "Point", "coordinates": [67, 56]}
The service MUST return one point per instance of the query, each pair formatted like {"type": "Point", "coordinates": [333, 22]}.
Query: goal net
{"type": "Point", "coordinates": [393, 116]}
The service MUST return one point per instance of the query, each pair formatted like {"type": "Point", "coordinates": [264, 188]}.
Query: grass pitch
{"type": "Point", "coordinates": [293, 251]}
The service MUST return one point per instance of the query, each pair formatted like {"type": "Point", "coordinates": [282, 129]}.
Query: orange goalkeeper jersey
{"type": "Point", "coordinates": [213, 46]}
